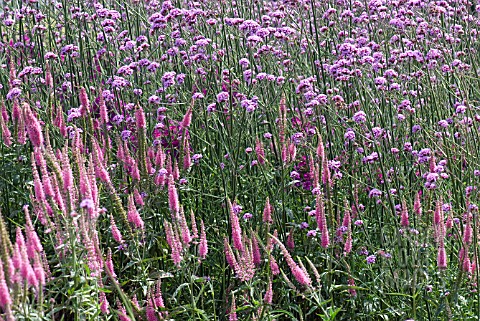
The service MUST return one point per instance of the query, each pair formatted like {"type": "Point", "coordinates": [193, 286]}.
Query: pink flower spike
{"type": "Point", "coordinates": [5, 298]}
{"type": "Point", "coordinates": [203, 246]}
{"type": "Point", "coordinates": [173, 198]}
{"type": "Point", "coordinates": [84, 101]}
{"type": "Point", "coordinates": [103, 110]}
{"type": "Point", "coordinates": [194, 224]}
{"type": "Point", "coordinates": [187, 119]}
{"type": "Point", "coordinates": [117, 235]}
{"type": "Point", "coordinates": [233, 311]}
{"type": "Point", "coordinates": [417, 206]}
{"type": "Point", "coordinates": [109, 264]}
{"type": "Point", "coordinates": [236, 229]}
{"type": "Point", "coordinates": [441, 258]}
{"type": "Point", "coordinates": [260, 152]}
{"type": "Point", "coordinates": [404, 215]}
{"type": "Point", "coordinates": [140, 117]}
{"type": "Point", "coordinates": [269, 293]}
{"type": "Point", "coordinates": [132, 215]}
{"type": "Point", "coordinates": [34, 129]}
{"type": "Point", "coordinates": [267, 212]}
{"type": "Point", "coordinates": [257, 256]}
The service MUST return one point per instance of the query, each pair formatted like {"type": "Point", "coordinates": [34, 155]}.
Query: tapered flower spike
{"type": "Point", "coordinates": [104, 305]}
{"type": "Point", "coordinates": [16, 110]}
{"type": "Point", "coordinates": [285, 154]}
{"type": "Point", "coordinates": [67, 173]}
{"type": "Point", "coordinates": [432, 164]}
{"type": "Point", "coordinates": [229, 257]}
{"type": "Point", "coordinates": [37, 183]}
{"type": "Point", "coordinates": [186, 235]}
{"type": "Point", "coordinates": [158, 298]}
{"type": "Point", "coordinates": [320, 149]}
{"type": "Point", "coordinates": [292, 152]}
{"type": "Point", "coordinates": [269, 293]}
{"type": "Point", "coordinates": [417, 205]}
{"type": "Point", "coordinates": [5, 298]}
{"type": "Point", "coordinates": [441, 258]}
{"type": "Point", "coordinates": [203, 246]}
{"type": "Point", "coordinates": [290, 240]}
{"type": "Point", "coordinates": [351, 290]}
{"type": "Point", "coordinates": [138, 198]}
{"type": "Point", "coordinates": [232, 316]}
{"type": "Point", "coordinates": [274, 266]}
{"type": "Point", "coordinates": [12, 72]}
{"type": "Point", "coordinates": [21, 130]}
{"type": "Point", "coordinates": [236, 229]}
{"type": "Point", "coordinates": [117, 235]}
{"type": "Point", "coordinates": [160, 157]}
{"type": "Point", "coordinates": [140, 117]}
{"type": "Point", "coordinates": [38, 270]}
{"type": "Point", "coordinates": [326, 179]}
{"type": "Point", "coordinates": [404, 215]}
{"type": "Point", "coordinates": [122, 313]}
{"type": "Point", "coordinates": [346, 215]}
{"type": "Point", "coordinates": [6, 134]}
{"type": "Point", "coordinates": [33, 241]}
{"type": "Point", "coordinates": [103, 110]}
{"type": "Point", "coordinates": [48, 76]}
{"type": "Point", "coordinates": [466, 263]}
{"type": "Point", "coordinates": [187, 159]}
{"type": "Point", "coordinates": [168, 233]}
{"type": "Point", "coordinates": [135, 303]}
{"type": "Point", "coordinates": [4, 112]}
{"type": "Point", "coordinates": [84, 102]}
{"type": "Point", "coordinates": [34, 129]}
{"type": "Point", "coordinates": [257, 256]}
{"type": "Point", "coordinates": [176, 249]}
{"type": "Point", "coordinates": [260, 152]}
{"type": "Point", "coordinates": [267, 212]}
{"type": "Point", "coordinates": [325, 239]}
{"type": "Point", "coordinates": [194, 224]}
{"type": "Point", "coordinates": [348, 242]}
{"type": "Point", "coordinates": [173, 198]}
{"type": "Point", "coordinates": [176, 171]}
{"type": "Point", "coordinates": [150, 312]}
{"type": "Point", "coordinates": [109, 264]}
{"type": "Point", "coordinates": [319, 212]}
{"type": "Point", "coordinates": [187, 119]}
{"type": "Point", "coordinates": [468, 233]}
{"type": "Point", "coordinates": [133, 215]}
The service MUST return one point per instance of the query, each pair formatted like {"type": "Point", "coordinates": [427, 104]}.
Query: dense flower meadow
{"type": "Point", "coordinates": [239, 160]}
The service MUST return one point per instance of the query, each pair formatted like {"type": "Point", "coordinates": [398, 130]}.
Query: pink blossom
{"type": "Point", "coordinates": [203, 246]}
{"type": "Point", "coordinates": [236, 230]}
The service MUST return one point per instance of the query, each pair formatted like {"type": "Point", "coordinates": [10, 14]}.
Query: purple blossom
{"type": "Point", "coordinates": [349, 135]}
{"type": "Point", "coordinates": [87, 203]}
{"type": "Point", "coordinates": [196, 158]}
{"type": "Point", "coordinates": [244, 62]}
{"type": "Point", "coordinates": [168, 79]}
{"type": "Point", "coordinates": [360, 117]}
{"type": "Point", "coordinates": [358, 223]}
{"type": "Point", "coordinates": [247, 216]}
{"type": "Point", "coordinates": [222, 97]}
{"type": "Point", "coordinates": [374, 193]}
{"type": "Point", "coordinates": [303, 225]}
{"type": "Point", "coordinates": [371, 259]}
{"type": "Point", "coordinates": [14, 93]}
{"type": "Point", "coordinates": [126, 134]}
